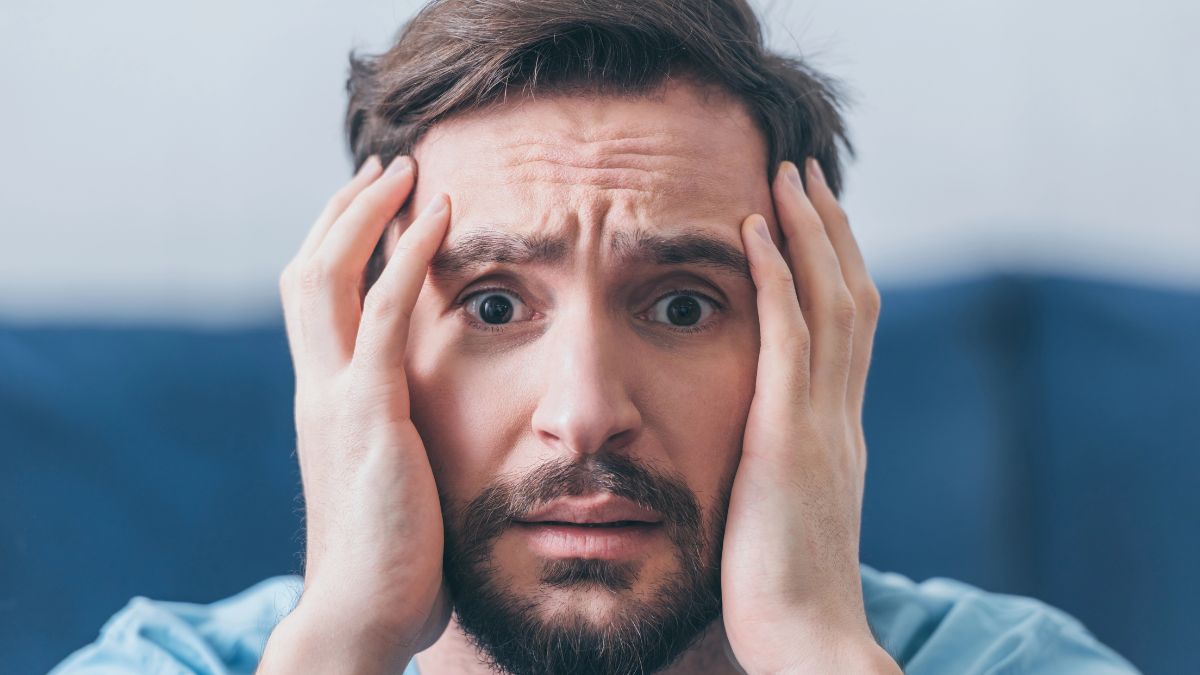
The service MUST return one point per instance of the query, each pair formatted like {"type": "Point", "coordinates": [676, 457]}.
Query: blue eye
{"type": "Point", "coordinates": [683, 311]}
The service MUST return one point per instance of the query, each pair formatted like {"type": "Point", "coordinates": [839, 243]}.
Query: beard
{"type": "Point", "coordinates": [509, 631]}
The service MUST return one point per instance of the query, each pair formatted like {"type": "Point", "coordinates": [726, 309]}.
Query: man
{"type": "Point", "coordinates": [586, 396]}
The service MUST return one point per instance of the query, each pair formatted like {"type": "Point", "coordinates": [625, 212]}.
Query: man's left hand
{"type": "Point", "coordinates": [790, 581]}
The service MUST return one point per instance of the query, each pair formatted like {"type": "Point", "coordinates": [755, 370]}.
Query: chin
{"type": "Point", "coordinates": [595, 605]}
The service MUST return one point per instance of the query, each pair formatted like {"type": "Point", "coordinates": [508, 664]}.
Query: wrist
{"type": "Point", "coordinates": [313, 639]}
{"type": "Point", "coordinates": [830, 649]}
{"type": "Point", "coordinates": [818, 642]}
{"type": "Point", "coordinates": [866, 657]}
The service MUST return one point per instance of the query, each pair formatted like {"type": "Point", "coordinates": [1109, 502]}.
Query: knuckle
{"type": "Point", "coordinates": [797, 340]}
{"type": "Point", "coordinates": [839, 212]}
{"type": "Point", "coordinates": [316, 416]}
{"type": "Point", "coordinates": [814, 226]}
{"type": "Point", "coordinates": [314, 278]}
{"type": "Point", "coordinates": [783, 281]}
{"type": "Point", "coordinates": [378, 306]}
{"type": "Point", "coordinates": [285, 278]}
{"type": "Point", "coordinates": [844, 311]}
{"type": "Point", "coordinates": [869, 302]}
{"type": "Point", "coordinates": [796, 381]}
{"type": "Point", "coordinates": [320, 274]}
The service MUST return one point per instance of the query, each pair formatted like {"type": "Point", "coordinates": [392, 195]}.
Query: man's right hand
{"type": "Point", "coordinates": [373, 594]}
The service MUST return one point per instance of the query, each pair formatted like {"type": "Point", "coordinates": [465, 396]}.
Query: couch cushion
{"type": "Point", "coordinates": [137, 461]}
{"type": "Point", "coordinates": [1112, 441]}
{"type": "Point", "coordinates": [944, 496]}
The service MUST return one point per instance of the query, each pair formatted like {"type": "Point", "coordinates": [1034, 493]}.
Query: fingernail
{"type": "Point", "coordinates": [400, 164]}
{"type": "Point", "coordinates": [435, 206]}
{"type": "Point", "coordinates": [815, 167]}
{"type": "Point", "coordinates": [760, 226]}
{"type": "Point", "coordinates": [793, 174]}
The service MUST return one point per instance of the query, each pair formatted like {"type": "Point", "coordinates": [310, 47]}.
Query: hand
{"type": "Point", "coordinates": [790, 582]}
{"type": "Point", "coordinates": [373, 588]}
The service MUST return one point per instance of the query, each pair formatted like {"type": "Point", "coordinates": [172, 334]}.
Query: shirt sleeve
{"type": "Point", "coordinates": [945, 626]}
{"type": "Point", "coordinates": [226, 637]}
{"type": "Point", "coordinates": [937, 627]}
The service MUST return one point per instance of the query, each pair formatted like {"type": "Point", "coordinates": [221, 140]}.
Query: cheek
{"type": "Point", "coordinates": [466, 410]}
{"type": "Point", "coordinates": [703, 403]}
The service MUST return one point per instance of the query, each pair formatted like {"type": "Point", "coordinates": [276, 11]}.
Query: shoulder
{"type": "Point", "coordinates": [946, 626]}
{"type": "Point", "coordinates": [155, 636]}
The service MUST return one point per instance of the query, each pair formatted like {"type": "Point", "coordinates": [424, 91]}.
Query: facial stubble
{"type": "Point", "coordinates": [511, 632]}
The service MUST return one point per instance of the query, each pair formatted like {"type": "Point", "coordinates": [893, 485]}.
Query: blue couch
{"type": "Point", "coordinates": [1027, 434]}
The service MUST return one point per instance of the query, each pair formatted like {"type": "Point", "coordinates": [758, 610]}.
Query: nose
{"type": "Point", "coordinates": [585, 407]}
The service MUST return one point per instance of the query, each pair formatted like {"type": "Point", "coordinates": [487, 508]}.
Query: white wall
{"type": "Point", "coordinates": [163, 160]}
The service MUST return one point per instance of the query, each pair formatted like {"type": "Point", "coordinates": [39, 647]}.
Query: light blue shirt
{"type": "Point", "coordinates": [939, 626]}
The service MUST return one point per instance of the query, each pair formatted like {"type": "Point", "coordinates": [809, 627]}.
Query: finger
{"type": "Point", "coordinates": [388, 306]}
{"type": "Point", "coordinates": [366, 174]}
{"type": "Point", "coordinates": [858, 281]}
{"type": "Point", "coordinates": [783, 335]}
{"type": "Point", "coordinates": [354, 234]}
{"type": "Point", "coordinates": [289, 280]}
{"type": "Point", "coordinates": [826, 302]}
{"type": "Point", "coordinates": [333, 276]}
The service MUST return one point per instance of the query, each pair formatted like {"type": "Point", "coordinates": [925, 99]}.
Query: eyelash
{"type": "Point", "coordinates": [491, 328]}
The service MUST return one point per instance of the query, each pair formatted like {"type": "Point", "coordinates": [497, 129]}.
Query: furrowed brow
{"type": "Point", "coordinates": [479, 248]}
{"type": "Point", "coordinates": [687, 247]}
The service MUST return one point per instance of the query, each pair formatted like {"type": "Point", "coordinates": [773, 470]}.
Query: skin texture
{"type": "Point", "coordinates": [393, 411]}
{"type": "Point", "coordinates": [588, 377]}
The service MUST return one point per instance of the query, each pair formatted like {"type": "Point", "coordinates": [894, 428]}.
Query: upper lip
{"type": "Point", "coordinates": [600, 508]}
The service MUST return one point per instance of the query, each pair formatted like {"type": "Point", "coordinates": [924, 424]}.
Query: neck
{"type": "Point", "coordinates": [453, 654]}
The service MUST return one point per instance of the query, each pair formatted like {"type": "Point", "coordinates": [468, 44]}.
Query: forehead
{"type": "Point", "coordinates": [573, 166]}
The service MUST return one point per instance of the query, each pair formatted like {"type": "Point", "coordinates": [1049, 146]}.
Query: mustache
{"type": "Point", "coordinates": [511, 498]}
{"type": "Point", "coordinates": [507, 623]}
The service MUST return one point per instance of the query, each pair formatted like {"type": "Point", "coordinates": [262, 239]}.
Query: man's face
{"type": "Point", "coordinates": [593, 381]}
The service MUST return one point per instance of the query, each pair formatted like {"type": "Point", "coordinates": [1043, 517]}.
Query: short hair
{"type": "Point", "coordinates": [456, 56]}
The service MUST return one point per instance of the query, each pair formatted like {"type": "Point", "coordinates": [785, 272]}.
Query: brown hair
{"type": "Point", "coordinates": [460, 55]}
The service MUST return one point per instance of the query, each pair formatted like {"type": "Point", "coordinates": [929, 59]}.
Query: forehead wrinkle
{"type": "Point", "coordinates": [621, 141]}
{"type": "Point", "coordinates": [646, 182]}
{"type": "Point", "coordinates": [653, 164]}
{"type": "Point", "coordinates": [479, 247]}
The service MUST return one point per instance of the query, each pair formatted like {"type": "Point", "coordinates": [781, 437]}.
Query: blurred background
{"type": "Point", "coordinates": [1025, 193]}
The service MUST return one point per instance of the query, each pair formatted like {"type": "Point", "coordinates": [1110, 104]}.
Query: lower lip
{"type": "Point", "coordinates": [573, 541]}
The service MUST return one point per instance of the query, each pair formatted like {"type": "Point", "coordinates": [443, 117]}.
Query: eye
{"type": "Point", "coordinates": [489, 309]}
{"type": "Point", "coordinates": [683, 311]}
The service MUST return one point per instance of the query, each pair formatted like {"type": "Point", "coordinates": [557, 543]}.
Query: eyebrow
{"type": "Point", "coordinates": [480, 247]}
